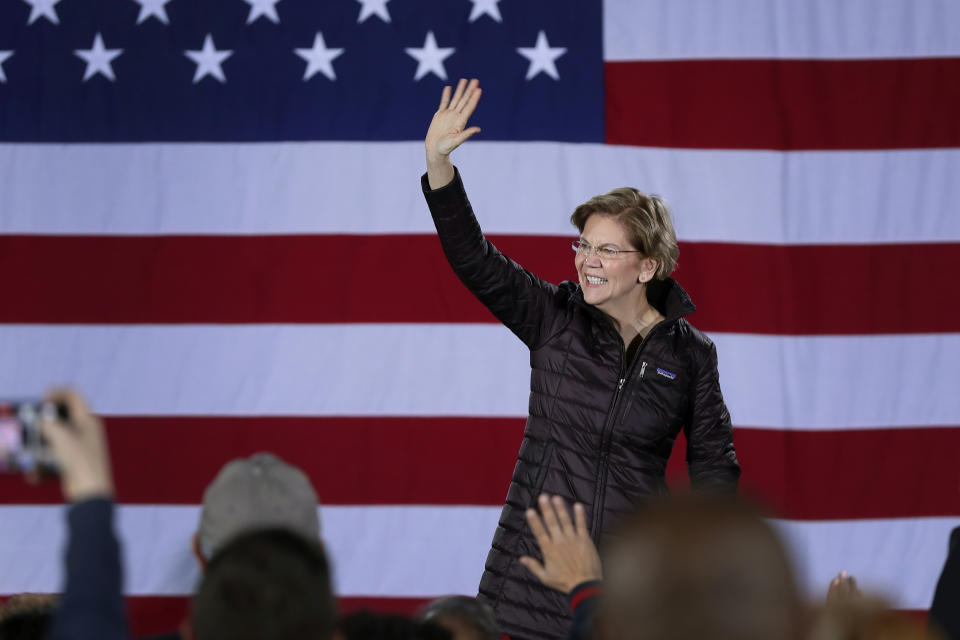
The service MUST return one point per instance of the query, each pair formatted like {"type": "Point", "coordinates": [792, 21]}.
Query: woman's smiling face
{"type": "Point", "coordinates": [609, 283]}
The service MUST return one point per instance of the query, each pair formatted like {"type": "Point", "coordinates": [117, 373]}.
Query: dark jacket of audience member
{"type": "Point", "coordinates": [945, 610]}
{"type": "Point", "coordinates": [584, 602]}
{"type": "Point", "coordinates": [92, 602]}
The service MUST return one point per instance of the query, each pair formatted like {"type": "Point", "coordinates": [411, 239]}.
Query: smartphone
{"type": "Point", "coordinates": [22, 448]}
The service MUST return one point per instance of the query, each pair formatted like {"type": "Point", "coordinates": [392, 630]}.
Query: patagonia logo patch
{"type": "Point", "coordinates": [666, 374]}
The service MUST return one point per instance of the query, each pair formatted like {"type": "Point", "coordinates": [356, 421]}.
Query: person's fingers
{"type": "Point", "coordinates": [75, 405]}
{"type": "Point", "coordinates": [463, 136]}
{"type": "Point", "coordinates": [472, 88]}
{"type": "Point", "coordinates": [580, 519]}
{"type": "Point", "coordinates": [550, 517]}
{"type": "Point", "coordinates": [470, 104]}
{"type": "Point", "coordinates": [58, 435]}
{"type": "Point", "coordinates": [563, 515]}
{"type": "Point", "coordinates": [539, 532]}
{"type": "Point", "coordinates": [534, 567]}
{"type": "Point", "coordinates": [461, 87]}
{"type": "Point", "coordinates": [444, 98]}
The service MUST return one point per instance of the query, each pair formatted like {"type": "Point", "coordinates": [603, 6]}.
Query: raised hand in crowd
{"type": "Point", "coordinates": [448, 130]}
{"type": "Point", "coordinates": [569, 555]}
{"type": "Point", "coordinates": [92, 603]}
{"type": "Point", "coordinates": [80, 448]}
{"type": "Point", "coordinates": [843, 588]}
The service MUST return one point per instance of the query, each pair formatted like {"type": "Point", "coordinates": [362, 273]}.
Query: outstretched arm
{"type": "Point", "coordinates": [447, 132]}
{"type": "Point", "coordinates": [519, 299]}
{"type": "Point", "coordinates": [92, 603]}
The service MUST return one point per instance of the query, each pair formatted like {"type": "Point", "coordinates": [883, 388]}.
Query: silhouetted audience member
{"type": "Point", "coordinates": [26, 616]}
{"type": "Point", "coordinates": [249, 493]}
{"type": "Point", "coordinates": [466, 618]}
{"type": "Point", "coordinates": [366, 625]}
{"type": "Point", "coordinates": [270, 584]}
{"type": "Point", "coordinates": [945, 610]}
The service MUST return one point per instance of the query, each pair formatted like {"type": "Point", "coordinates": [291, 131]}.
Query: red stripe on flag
{"type": "Point", "coordinates": [863, 473]}
{"type": "Point", "coordinates": [770, 289]}
{"type": "Point", "coordinates": [805, 475]}
{"type": "Point", "coordinates": [350, 460]}
{"type": "Point", "coordinates": [784, 104]}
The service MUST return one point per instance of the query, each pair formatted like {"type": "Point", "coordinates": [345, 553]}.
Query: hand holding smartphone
{"type": "Point", "coordinates": [57, 435]}
{"type": "Point", "coordinates": [79, 444]}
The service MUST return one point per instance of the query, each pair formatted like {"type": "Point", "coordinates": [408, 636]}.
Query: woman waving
{"type": "Point", "coordinates": [617, 372]}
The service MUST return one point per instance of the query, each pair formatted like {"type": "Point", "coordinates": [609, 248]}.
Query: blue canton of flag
{"type": "Point", "coordinates": [252, 70]}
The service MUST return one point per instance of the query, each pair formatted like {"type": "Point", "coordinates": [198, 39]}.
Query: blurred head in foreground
{"type": "Point", "coordinates": [269, 584]}
{"type": "Point", "coordinates": [26, 616]}
{"type": "Point", "coordinates": [694, 568]}
{"type": "Point", "coordinates": [466, 618]}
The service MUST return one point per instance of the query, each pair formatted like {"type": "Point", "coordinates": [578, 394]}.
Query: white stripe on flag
{"type": "Point", "coordinates": [531, 188]}
{"type": "Point", "coordinates": [431, 551]}
{"type": "Point", "coordinates": [377, 551]}
{"type": "Point", "coordinates": [821, 382]}
{"type": "Point", "coordinates": [666, 29]}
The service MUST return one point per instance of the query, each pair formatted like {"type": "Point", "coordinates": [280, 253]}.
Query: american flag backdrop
{"type": "Point", "coordinates": [212, 225]}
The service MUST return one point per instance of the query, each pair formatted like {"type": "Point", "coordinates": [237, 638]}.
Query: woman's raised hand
{"type": "Point", "coordinates": [448, 129]}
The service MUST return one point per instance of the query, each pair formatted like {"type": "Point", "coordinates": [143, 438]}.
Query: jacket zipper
{"type": "Point", "coordinates": [607, 432]}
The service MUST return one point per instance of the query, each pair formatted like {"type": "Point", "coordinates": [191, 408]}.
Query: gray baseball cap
{"type": "Point", "coordinates": [256, 492]}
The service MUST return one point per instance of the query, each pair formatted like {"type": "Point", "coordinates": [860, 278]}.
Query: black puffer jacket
{"type": "Point", "coordinates": [600, 429]}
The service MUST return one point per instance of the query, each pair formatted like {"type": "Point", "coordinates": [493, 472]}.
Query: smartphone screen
{"type": "Point", "coordinates": [22, 449]}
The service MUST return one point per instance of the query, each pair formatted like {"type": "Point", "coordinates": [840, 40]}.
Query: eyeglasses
{"type": "Point", "coordinates": [605, 251]}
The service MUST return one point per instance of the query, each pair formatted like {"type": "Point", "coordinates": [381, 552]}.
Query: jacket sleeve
{"type": "Point", "coordinates": [584, 601]}
{"type": "Point", "coordinates": [92, 604]}
{"type": "Point", "coordinates": [711, 459]}
{"type": "Point", "coordinates": [523, 302]}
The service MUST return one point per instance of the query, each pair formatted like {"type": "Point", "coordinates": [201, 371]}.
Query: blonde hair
{"type": "Point", "coordinates": [646, 219]}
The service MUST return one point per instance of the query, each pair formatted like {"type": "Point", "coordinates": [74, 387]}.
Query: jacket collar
{"type": "Point", "coordinates": [666, 296]}
{"type": "Point", "coordinates": [670, 299]}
